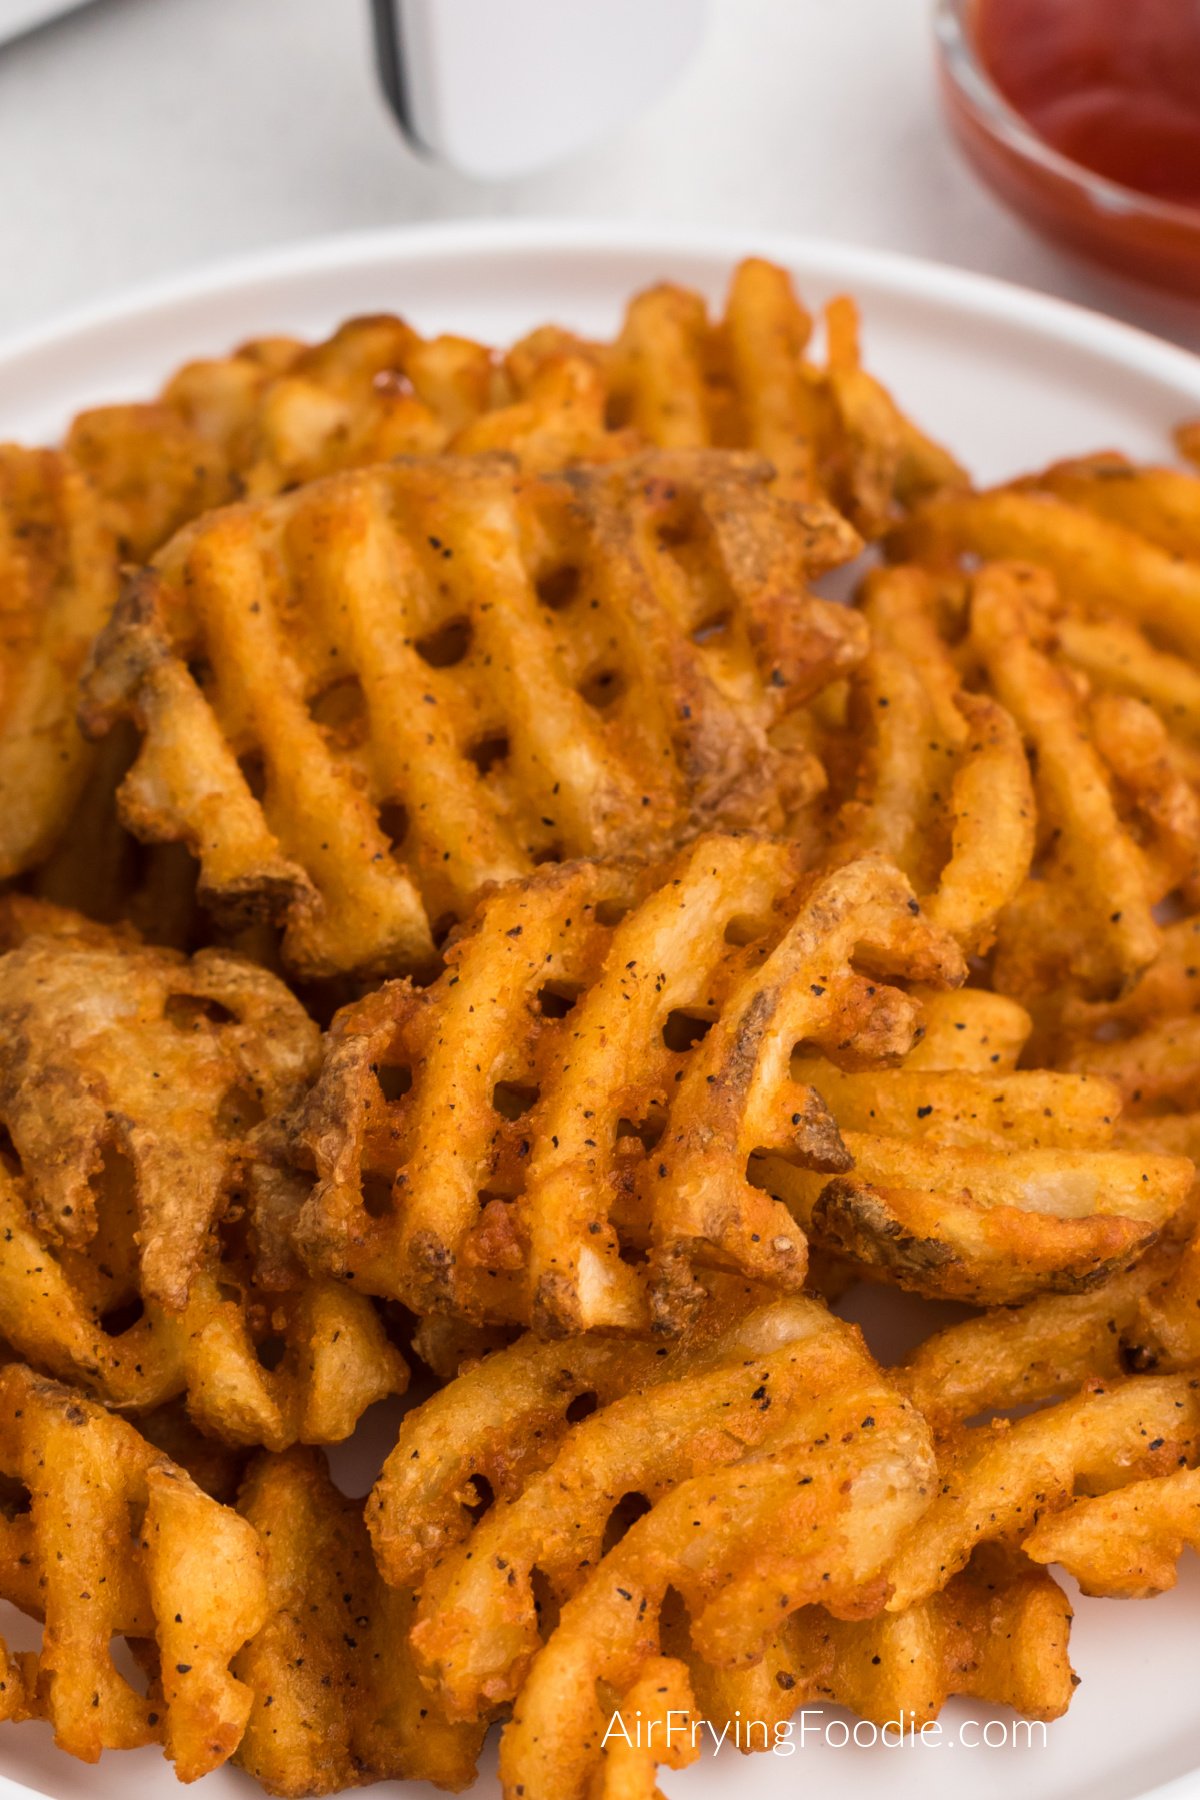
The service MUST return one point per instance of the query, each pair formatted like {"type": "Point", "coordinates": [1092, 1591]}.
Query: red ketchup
{"type": "Point", "coordinates": [1111, 84]}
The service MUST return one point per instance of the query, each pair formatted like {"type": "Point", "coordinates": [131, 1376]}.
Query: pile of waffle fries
{"type": "Point", "coordinates": [475, 915]}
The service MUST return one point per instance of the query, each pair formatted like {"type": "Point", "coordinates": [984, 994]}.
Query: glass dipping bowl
{"type": "Point", "coordinates": [1131, 232]}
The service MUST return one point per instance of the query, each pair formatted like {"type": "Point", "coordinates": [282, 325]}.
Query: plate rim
{"type": "Point", "coordinates": [904, 275]}
{"type": "Point", "coordinates": [899, 273]}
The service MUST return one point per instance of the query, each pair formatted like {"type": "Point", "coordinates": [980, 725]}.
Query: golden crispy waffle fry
{"type": "Point", "coordinates": [1160, 504]}
{"type": "Point", "coordinates": [998, 1632]}
{"type": "Point", "coordinates": [808, 1515]}
{"type": "Point", "coordinates": [1146, 1041]}
{"type": "Point", "coordinates": [1089, 911]}
{"type": "Point", "coordinates": [1013, 1356]}
{"type": "Point", "coordinates": [487, 1430]}
{"type": "Point", "coordinates": [970, 1029]}
{"type": "Point", "coordinates": [477, 1622]}
{"type": "Point", "coordinates": [217, 1468]}
{"type": "Point", "coordinates": [974, 1180]}
{"type": "Point", "coordinates": [336, 1700]}
{"type": "Point", "coordinates": [1166, 1331]}
{"type": "Point", "coordinates": [157, 1067]}
{"type": "Point", "coordinates": [1093, 560]}
{"type": "Point", "coordinates": [1121, 544]}
{"type": "Point", "coordinates": [15, 1703]}
{"type": "Point", "coordinates": [1125, 1544]}
{"type": "Point", "coordinates": [999, 1480]}
{"type": "Point", "coordinates": [101, 870]}
{"type": "Point", "coordinates": [274, 413]}
{"type": "Point", "coordinates": [129, 1079]}
{"type": "Point", "coordinates": [573, 1090]}
{"type": "Point", "coordinates": [681, 379]}
{"type": "Point", "coordinates": [941, 784]}
{"type": "Point", "coordinates": [58, 584]}
{"type": "Point", "coordinates": [364, 701]}
{"type": "Point", "coordinates": [150, 470]}
{"type": "Point", "coordinates": [118, 1542]}
{"type": "Point", "coordinates": [256, 1367]}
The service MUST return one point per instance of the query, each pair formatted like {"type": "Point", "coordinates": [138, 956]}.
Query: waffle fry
{"type": "Point", "coordinates": [336, 1700]}
{"type": "Point", "coordinates": [274, 413]}
{"type": "Point", "coordinates": [998, 1481]}
{"type": "Point", "coordinates": [1044, 1350]}
{"type": "Point", "coordinates": [58, 584]}
{"type": "Point", "coordinates": [129, 1079]}
{"type": "Point", "coordinates": [256, 1368]}
{"type": "Point", "coordinates": [1118, 546]}
{"type": "Point", "coordinates": [1126, 1544]}
{"type": "Point", "coordinates": [1161, 505]}
{"type": "Point", "coordinates": [278, 412]}
{"type": "Point", "coordinates": [998, 1632]}
{"type": "Point", "coordinates": [589, 1119]}
{"type": "Point", "coordinates": [436, 621]}
{"type": "Point", "coordinates": [1092, 559]}
{"type": "Point", "coordinates": [187, 1580]}
{"type": "Point", "coordinates": [681, 380]}
{"type": "Point", "coordinates": [797, 1520]}
{"type": "Point", "coordinates": [1146, 1041]}
{"type": "Point", "coordinates": [1091, 909]}
{"type": "Point", "coordinates": [941, 784]}
{"type": "Point", "coordinates": [977, 1181]}
{"type": "Point", "coordinates": [157, 1065]}
{"type": "Point", "coordinates": [477, 1625]}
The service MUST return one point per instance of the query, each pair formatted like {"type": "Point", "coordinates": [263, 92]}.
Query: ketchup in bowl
{"type": "Point", "coordinates": [1113, 84]}
{"type": "Point", "coordinates": [1085, 116]}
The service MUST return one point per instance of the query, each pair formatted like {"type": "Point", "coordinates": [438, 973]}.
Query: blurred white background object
{"type": "Point", "coordinates": [583, 71]}
{"type": "Point", "coordinates": [22, 15]}
{"type": "Point", "coordinates": [142, 137]}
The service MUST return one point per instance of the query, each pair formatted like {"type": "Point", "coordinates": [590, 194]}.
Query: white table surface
{"type": "Point", "coordinates": [139, 137]}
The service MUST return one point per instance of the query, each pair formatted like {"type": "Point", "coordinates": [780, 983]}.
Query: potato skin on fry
{"type": "Point", "coordinates": [130, 1082]}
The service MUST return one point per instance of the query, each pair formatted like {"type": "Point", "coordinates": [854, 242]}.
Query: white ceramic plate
{"type": "Point", "coordinates": [1009, 379]}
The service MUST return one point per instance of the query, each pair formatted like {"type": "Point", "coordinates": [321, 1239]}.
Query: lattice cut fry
{"type": "Point", "coordinates": [807, 1515]}
{"type": "Point", "coordinates": [701, 1407]}
{"type": "Point", "coordinates": [571, 1090]}
{"type": "Point", "coordinates": [998, 1632]}
{"type": "Point", "coordinates": [118, 1542]}
{"type": "Point", "coordinates": [364, 701]}
{"type": "Point", "coordinates": [273, 413]}
{"type": "Point", "coordinates": [336, 1700]}
{"type": "Point", "coordinates": [998, 1481]}
{"type": "Point", "coordinates": [1119, 545]}
{"type": "Point", "coordinates": [979, 1186]}
{"type": "Point", "coordinates": [69, 1313]}
{"type": "Point", "coordinates": [1089, 913]}
{"type": "Point", "coordinates": [1012, 1356]}
{"type": "Point", "coordinates": [1093, 560]}
{"type": "Point", "coordinates": [58, 584]}
{"type": "Point", "coordinates": [1160, 504]}
{"type": "Point", "coordinates": [134, 1065]}
{"type": "Point", "coordinates": [1146, 1041]}
{"type": "Point", "coordinates": [680, 378]}
{"type": "Point", "coordinates": [129, 1081]}
{"type": "Point", "coordinates": [940, 783]}
{"type": "Point", "coordinates": [492, 1426]}
{"type": "Point", "coordinates": [1125, 1544]}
